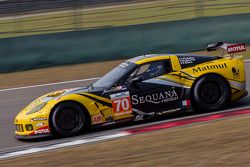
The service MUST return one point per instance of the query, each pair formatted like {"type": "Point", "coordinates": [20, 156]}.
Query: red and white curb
{"type": "Point", "coordinates": [190, 120]}
{"type": "Point", "coordinates": [131, 131]}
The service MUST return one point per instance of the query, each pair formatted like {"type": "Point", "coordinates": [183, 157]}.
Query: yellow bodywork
{"type": "Point", "coordinates": [186, 77]}
{"type": "Point", "coordinates": [222, 67]}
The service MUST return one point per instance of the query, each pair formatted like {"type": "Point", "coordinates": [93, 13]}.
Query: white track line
{"type": "Point", "coordinates": [59, 83]}
{"type": "Point", "coordinates": [49, 84]}
{"type": "Point", "coordinates": [62, 145]}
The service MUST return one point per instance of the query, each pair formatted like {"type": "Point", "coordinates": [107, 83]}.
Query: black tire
{"type": "Point", "coordinates": [68, 119]}
{"type": "Point", "coordinates": [211, 92]}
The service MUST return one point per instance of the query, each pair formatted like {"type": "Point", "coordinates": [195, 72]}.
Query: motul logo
{"type": "Point", "coordinates": [236, 48]}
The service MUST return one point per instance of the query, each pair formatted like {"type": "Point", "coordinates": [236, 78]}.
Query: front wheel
{"type": "Point", "coordinates": [211, 92]}
{"type": "Point", "coordinates": [68, 119]}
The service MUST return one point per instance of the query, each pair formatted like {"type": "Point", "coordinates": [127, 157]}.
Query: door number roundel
{"type": "Point", "coordinates": [121, 103]}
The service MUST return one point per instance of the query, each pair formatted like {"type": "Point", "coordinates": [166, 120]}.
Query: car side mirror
{"type": "Point", "coordinates": [134, 81]}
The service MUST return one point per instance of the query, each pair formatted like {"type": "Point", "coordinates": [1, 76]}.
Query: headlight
{"type": "Point", "coordinates": [36, 108]}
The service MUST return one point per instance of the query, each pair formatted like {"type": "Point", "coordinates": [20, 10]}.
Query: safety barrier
{"type": "Point", "coordinates": [30, 52]}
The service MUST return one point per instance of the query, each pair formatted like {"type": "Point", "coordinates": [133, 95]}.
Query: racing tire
{"type": "Point", "coordinates": [68, 119]}
{"type": "Point", "coordinates": [210, 93]}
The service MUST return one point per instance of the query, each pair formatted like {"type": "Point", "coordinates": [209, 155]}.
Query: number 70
{"type": "Point", "coordinates": [122, 104]}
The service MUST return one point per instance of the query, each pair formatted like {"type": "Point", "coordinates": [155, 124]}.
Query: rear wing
{"type": "Point", "coordinates": [229, 48]}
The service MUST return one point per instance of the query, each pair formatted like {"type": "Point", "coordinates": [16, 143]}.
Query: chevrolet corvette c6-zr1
{"type": "Point", "coordinates": [139, 88]}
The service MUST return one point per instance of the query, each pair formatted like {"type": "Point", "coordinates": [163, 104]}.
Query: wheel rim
{"type": "Point", "coordinates": [68, 120]}
{"type": "Point", "coordinates": [211, 93]}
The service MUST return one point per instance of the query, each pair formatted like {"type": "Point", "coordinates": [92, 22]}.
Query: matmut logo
{"type": "Point", "coordinates": [236, 48]}
{"type": "Point", "coordinates": [210, 67]}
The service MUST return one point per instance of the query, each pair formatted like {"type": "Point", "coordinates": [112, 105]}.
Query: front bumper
{"type": "Point", "coordinates": [28, 127]}
{"type": "Point", "coordinates": [38, 132]}
{"type": "Point", "coordinates": [29, 137]}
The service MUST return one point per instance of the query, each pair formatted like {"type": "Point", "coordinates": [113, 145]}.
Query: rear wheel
{"type": "Point", "coordinates": [68, 119]}
{"type": "Point", "coordinates": [211, 92]}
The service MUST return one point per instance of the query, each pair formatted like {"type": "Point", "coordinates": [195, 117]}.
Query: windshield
{"type": "Point", "coordinates": [114, 75]}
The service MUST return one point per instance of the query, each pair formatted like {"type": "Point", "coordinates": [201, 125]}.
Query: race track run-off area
{"type": "Point", "coordinates": [15, 98]}
{"type": "Point", "coordinates": [132, 131]}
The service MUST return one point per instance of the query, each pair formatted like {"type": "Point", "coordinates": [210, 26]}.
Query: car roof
{"type": "Point", "coordinates": [154, 57]}
{"type": "Point", "coordinates": [148, 58]}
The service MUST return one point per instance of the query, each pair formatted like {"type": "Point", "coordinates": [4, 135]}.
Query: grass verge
{"type": "Point", "coordinates": [120, 15]}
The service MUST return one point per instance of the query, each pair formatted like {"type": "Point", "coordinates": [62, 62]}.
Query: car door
{"type": "Point", "coordinates": [151, 90]}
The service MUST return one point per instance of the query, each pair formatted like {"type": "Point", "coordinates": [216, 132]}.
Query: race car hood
{"type": "Point", "coordinates": [53, 95]}
{"type": "Point", "coordinates": [42, 101]}
{"type": "Point", "coordinates": [59, 93]}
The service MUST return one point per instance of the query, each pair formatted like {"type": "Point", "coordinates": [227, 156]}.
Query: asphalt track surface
{"type": "Point", "coordinates": [12, 101]}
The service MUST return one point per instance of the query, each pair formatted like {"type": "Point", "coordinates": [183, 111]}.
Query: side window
{"type": "Point", "coordinates": [153, 69]}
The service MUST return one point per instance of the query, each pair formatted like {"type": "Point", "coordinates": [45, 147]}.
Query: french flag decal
{"type": "Point", "coordinates": [186, 103]}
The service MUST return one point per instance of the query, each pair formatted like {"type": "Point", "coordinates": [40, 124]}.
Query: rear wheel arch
{"type": "Point", "coordinates": [84, 110]}
{"type": "Point", "coordinates": [210, 74]}
{"type": "Point", "coordinates": [205, 75]}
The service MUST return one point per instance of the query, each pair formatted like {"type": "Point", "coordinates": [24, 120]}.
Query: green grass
{"type": "Point", "coordinates": [157, 11]}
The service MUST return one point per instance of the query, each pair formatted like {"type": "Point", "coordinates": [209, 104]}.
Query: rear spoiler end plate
{"type": "Point", "coordinates": [231, 49]}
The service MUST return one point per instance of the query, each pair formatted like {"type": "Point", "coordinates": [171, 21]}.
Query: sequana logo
{"type": "Point", "coordinates": [156, 98]}
{"type": "Point", "coordinates": [210, 67]}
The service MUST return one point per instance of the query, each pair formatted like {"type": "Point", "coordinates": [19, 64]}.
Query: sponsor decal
{"type": "Point", "coordinates": [140, 57]}
{"type": "Point", "coordinates": [212, 45]}
{"type": "Point", "coordinates": [119, 95]}
{"type": "Point", "coordinates": [114, 89]}
{"type": "Point", "coordinates": [186, 103]}
{"type": "Point", "coordinates": [209, 67]}
{"type": "Point", "coordinates": [124, 64]}
{"type": "Point", "coordinates": [40, 124]}
{"type": "Point", "coordinates": [186, 60]}
{"type": "Point", "coordinates": [236, 73]}
{"type": "Point", "coordinates": [56, 93]}
{"type": "Point", "coordinates": [155, 98]}
{"type": "Point", "coordinates": [121, 103]}
{"type": "Point", "coordinates": [119, 88]}
{"type": "Point", "coordinates": [139, 118]}
{"type": "Point", "coordinates": [42, 130]}
{"type": "Point", "coordinates": [167, 111]}
{"type": "Point", "coordinates": [38, 119]}
{"type": "Point", "coordinates": [236, 48]}
{"type": "Point", "coordinates": [96, 119]}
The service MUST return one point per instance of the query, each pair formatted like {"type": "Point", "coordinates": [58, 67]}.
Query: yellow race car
{"type": "Point", "coordinates": [139, 88]}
